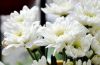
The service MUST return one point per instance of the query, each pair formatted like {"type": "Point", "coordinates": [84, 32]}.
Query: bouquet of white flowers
{"type": "Point", "coordinates": [72, 30]}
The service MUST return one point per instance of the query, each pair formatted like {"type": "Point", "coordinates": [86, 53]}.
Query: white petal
{"type": "Point", "coordinates": [1, 63]}
{"type": "Point", "coordinates": [87, 41]}
{"type": "Point", "coordinates": [35, 62]}
{"type": "Point", "coordinates": [89, 62]}
{"type": "Point", "coordinates": [79, 62]}
{"type": "Point", "coordinates": [84, 63]}
{"type": "Point", "coordinates": [11, 48]}
{"type": "Point", "coordinates": [42, 61]}
{"type": "Point", "coordinates": [95, 46]}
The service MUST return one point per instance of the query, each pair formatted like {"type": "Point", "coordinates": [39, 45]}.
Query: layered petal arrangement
{"type": "Point", "coordinates": [57, 9]}
{"type": "Point", "coordinates": [61, 33]}
{"type": "Point", "coordinates": [20, 29]}
{"type": "Point", "coordinates": [72, 30]}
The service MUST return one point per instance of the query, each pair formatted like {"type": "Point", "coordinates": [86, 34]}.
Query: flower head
{"type": "Point", "coordinates": [79, 47]}
{"type": "Point", "coordinates": [16, 34]}
{"type": "Point", "coordinates": [25, 17]}
{"type": "Point", "coordinates": [57, 9]}
{"type": "Point", "coordinates": [61, 32]}
{"type": "Point", "coordinates": [88, 14]}
{"type": "Point", "coordinates": [21, 28]}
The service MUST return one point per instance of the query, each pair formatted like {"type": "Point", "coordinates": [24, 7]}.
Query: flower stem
{"type": "Point", "coordinates": [46, 52]}
{"type": "Point", "coordinates": [53, 60]}
{"type": "Point", "coordinates": [30, 53]}
{"type": "Point", "coordinates": [35, 56]}
{"type": "Point", "coordinates": [40, 52]}
{"type": "Point", "coordinates": [64, 55]}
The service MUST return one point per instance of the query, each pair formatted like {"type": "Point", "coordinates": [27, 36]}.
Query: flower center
{"type": "Point", "coordinates": [18, 34]}
{"type": "Point", "coordinates": [87, 26]}
{"type": "Point", "coordinates": [77, 44]}
{"type": "Point", "coordinates": [64, 14]}
{"type": "Point", "coordinates": [59, 32]}
{"type": "Point", "coordinates": [20, 19]}
{"type": "Point", "coordinates": [90, 14]}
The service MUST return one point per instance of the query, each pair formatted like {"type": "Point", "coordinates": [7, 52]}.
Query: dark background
{"type": "Point", "coordinates": [8, 6]}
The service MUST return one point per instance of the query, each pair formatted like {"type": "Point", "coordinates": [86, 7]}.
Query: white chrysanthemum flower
{"type": "Point", "coordinates": [16, 34]}
{"type": "Point", "coordinates": [32, 40]}
{"type": "Point", "coordinates": [88, 14]}
{"type": "Point", "coordinates": [41, 61]}
{"type": "Point", "coordinates": [96, 60]}
{"type": "Point", "coordinates": [13, 32]}
{"type": "Point", "coordinates": [79, 62]}
{"type": "Point", "coordinates": [57, 8]}
{"type": "Point", "coordinates": [90, 3]}
{"type": "Point", "coordinates": [21, 28]}
{"type": "Point", "coordinates": [79, 47]}
{"type": "Point", "coordinates": [26, 16]}
{"type": "Point", "coordinates": [61, 32]}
